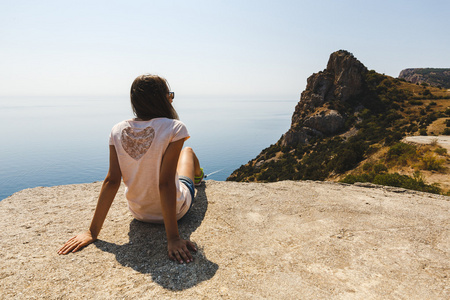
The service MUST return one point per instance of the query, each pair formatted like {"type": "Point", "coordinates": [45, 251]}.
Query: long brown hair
{"type": "Point", "coordinates": [149, 98]}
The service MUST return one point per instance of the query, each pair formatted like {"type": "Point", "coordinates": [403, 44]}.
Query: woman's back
{"type": "Point", "coordinates": [140, 146]}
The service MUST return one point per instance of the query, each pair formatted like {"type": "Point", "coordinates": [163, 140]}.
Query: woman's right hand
{"type": "Point", "coordinates": [77, 242]}
{"type": "Point", "coordinates": [178, 249]}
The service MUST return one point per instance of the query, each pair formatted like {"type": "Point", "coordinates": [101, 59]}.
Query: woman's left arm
{"type": "Point", "coordinates": [177, 248]}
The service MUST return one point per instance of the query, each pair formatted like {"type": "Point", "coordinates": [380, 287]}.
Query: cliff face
{"type": "Point", "coordinates": [347, 119]}
{"type": "Point", "coordinates": [315, 115]}
{"type": "Point", "coordinates": [435, 77]}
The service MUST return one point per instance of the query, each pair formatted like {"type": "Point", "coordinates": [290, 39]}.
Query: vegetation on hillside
{"type": "Point", "coordinates": [389, 110]}
{"type": "Point", "coordinates": [399, 156]}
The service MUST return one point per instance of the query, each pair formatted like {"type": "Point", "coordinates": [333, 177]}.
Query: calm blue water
{"type": "Point", "coordinates": [49, 141]}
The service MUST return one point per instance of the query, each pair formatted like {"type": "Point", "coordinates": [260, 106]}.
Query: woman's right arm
{"type": "Point", "coordinates": [109, 190]}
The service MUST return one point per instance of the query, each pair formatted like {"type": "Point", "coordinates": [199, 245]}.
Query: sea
{"type": "Point", "coordinates": [49, 141]}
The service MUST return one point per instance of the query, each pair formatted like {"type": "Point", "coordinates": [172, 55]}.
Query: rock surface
{"type": "Point", "coordinates": [284, 240]}
{"type": "Point", "coordinates": [441, 140]}
{"type": "Point", "coordinates": [342, 79]}
{"type": "Point", "coordinates": [325, 122]}
{"type": "Point", "coordinates": [432, 76]}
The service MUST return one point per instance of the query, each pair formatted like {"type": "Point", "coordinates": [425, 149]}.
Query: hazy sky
{"type": "Point", "coordinates": [237, 49]}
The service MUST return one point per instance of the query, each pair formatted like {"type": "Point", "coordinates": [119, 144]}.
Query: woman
{"type": "Point", "coordinates": [159, 176]}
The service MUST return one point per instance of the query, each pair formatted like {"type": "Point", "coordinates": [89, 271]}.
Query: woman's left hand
{"type": "Point", "coordinates": [178, 249]}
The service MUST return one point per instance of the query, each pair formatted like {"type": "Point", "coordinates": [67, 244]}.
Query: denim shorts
{"type": "Point", "coordinates": [190, 185]}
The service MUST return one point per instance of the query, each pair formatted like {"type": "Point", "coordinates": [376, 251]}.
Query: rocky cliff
{"type": "Point", "coordinates": [315, 115]}
{"type": "Point", "coordinates": [347, 119]}
{"type": "Point", "coordinates": [431, 76]}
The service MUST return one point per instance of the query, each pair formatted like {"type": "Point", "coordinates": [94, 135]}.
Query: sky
{"type": "Point", "coordinates": [222, 49]}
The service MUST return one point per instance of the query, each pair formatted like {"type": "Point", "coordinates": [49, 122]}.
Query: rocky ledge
{"type": "Point", "coordinates": [285, 240]}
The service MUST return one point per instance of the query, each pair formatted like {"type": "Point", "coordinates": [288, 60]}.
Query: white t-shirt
{"type": "Point", "coordinates": [140, 146]}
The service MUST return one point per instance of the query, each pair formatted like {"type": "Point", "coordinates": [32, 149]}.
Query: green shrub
{"type": "Point", "coordinates": [432, 163]}
{"type": "Point", "coordinates": [426, 92]}
{"type": "Point", "coordinates": [415, 102]}
{"type": "Point", "coordinates": [367, 166]}
{"type": "Point", "coordinates": [394, 179]}
{"type": "Point", "coordinates": [402, 153]}
{"type": "Point", "coordinates": [351, 179]}
{"type": "Point", "coordinates": [413, 183]}
{"type": "Point", "coordinates": [380, 168]}
{"type": "Point", "coordinates": [373, 169]}
{"type": "Point", "coordinates": [441, 151]}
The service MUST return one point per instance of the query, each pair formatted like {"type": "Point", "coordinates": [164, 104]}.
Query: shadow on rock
{"type": "Point", "coordinates": [146, 252]}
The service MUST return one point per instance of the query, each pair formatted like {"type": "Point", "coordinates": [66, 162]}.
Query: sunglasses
{"type": "Point", "coordinates": [172, 95]}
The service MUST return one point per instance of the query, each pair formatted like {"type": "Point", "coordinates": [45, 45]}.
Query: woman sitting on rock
{"type": "Point", "coordinates": [159, 176]}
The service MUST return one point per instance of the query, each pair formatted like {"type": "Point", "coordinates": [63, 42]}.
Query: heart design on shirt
{"type": "Point", "coordinates": [137, 141]}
